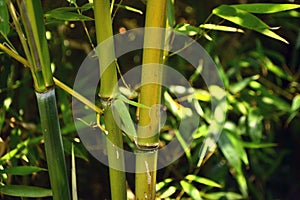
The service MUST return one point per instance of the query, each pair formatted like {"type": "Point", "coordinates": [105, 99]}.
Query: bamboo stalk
{"type": "Point", "coordinates": [53, 145]}
{"type": "Point", "coordinates": [39, 61]}
{"type": "Point", "coordinates": [108, 81]}
{"type": "Point", "coordinates": [147, 136]}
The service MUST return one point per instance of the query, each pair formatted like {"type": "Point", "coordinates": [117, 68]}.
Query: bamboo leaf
{"type": "Point", "coordinates": [25, 191]}
{"type": "Point", "coordinates": [296, 103]}
{"type": "Point", "coordinates": [246, 20]}
{"type": "Point", "coordinates": [240, 17]}
{"type": "Point", "coordinates": [171, 190]}
{"type": "Point", "coordinates": [171, 13]}
{"type": "Point", "coordinates": [220, 195]}
{"type": "Point", "coordinates": [119, 109]}
{"type": "Point", "coordinates": [163, 183]}
{"type": "Point", "coordinates": [253, 145]}
{"type": "Point", "coordinates": [202, 180]}
{"type": "Point", "coordinates": [22, 170]}
{"type": "Point", "coordinates": [190, 189]}
{"type": "Point", "coordinates": [271, 34]}
{"type": "Point", "coordinates": [221, 28]}
{"type": "Point", "coordinates": [129, 8]}
{"type": "Point", "coordinates": [133, 103]}
{"type": "Point", "coordinates": [265, 8]}
{"type": "Point", "coordinates": [4, 19]}
{"type": "Point", "coordinates": [67, 16]}
{"type": "Point", "coordinates": [239, 86]}
{"type": "Point", "coordinates": [188, 29]}
{"type": "Point", "coordinates": [233, 157]}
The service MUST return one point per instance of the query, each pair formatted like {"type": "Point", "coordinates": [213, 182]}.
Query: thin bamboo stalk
{"type": "Point", "coordinates": [108, 81]}
{"type": "Point", "coordinates": [53, 145]}
{"type": "Point", "coordinates": [147, 136]}
{"type": "Point", "coordinates": [39, 61]}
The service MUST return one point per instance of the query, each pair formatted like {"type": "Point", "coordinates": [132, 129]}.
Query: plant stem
{"type": "Point", "coordinates": [53, 145]}
{"type": "Point", "coordinates": [150, 95]}
{"type": "Point", "coordinates": [108, 81]}
{"type": "Point", "coordinates": [39, 62]}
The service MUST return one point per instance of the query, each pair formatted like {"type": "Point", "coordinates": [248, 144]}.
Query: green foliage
{"type": "Point", "coordinates": [4, 25]}
{"type": "Point", "coordinates": [261, 78]}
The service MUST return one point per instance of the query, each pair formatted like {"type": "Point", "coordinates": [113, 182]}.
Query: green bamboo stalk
{"type": "Point", "coordinates": [147, 137]}
{"type": "Point", "coordinates": [39, 61]}
{"type": "Point", "coordinates": [108, 81]}
{"type": "Point", "coordinates": [53, 145]}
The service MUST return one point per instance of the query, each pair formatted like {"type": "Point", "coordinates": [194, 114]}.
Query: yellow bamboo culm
{"type": "Point", "coordinates": [150, 95]}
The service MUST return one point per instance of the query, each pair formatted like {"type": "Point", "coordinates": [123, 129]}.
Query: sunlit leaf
{"type": "Point", "coordinates": [202, 95]}
{"type": "Point", "coordinates": [71, 1]}
{"type": "Point", "coordinates": [188, 29]}
{"type": "Point", "coordinates": [25, 191]}
{"type": "Point", "coordinates": [129, 8]}
{"type": "Point", "coordinates": [22, 170]}
{"type": "Point", "coordinates": [255, 126]}
{"type": "Point", "coordinates": [203, 180]}
{"type": "Point", "coordinates": [220, 195]}
{"type": "Point", "coordinates": [162, 184]}
{"type": "Point", "coordinates": [266, 8]}
{"type": "Point", "coordinates": [246, 20]}
{"type": "Point", "coordinates": [240, 17]}
{"type": "Point", "coordinates": [221, 28]}
{"type": "Point", "coordinates": [4, 19]}
{"type": "Point", "coordinates": [296, 103]}
{"type": "Point", "coordinates": [171, 190]}
{"type": "Point", "coordinates": [294, 108]}
{"type": "Point", "coordinates": [271, 34]}
{"type": "Point", "coordinates": [175, 108]}
{"type": "Point", "coordinates": [191, 190]}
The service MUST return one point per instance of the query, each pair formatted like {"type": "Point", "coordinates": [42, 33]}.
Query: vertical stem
{"type": "Point", "coordinates": [150, 95]}
{"type": "Point", "coordinates": [108, 81]}
{"type": "Point", "coordinates": [53, 145]}
{"type": "Point", "coordinates": [39, 61]}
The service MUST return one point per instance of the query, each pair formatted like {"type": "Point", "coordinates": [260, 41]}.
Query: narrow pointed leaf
{"type": "Point", "coordinates": [240, 17]}
{"type": "Point", "coordinates": [202, 180]}
{"type": "Point", "coordinates": [171, 190]}
{"type": "Point", "coordinates": [25, 191]}
{"type": "Point", "coordinates": [190, 189]}
{"type": "Point", "coordinates": [246, 20]}
{"type": "Point", "coordinates": [221, 28]}
{"type": "Point", "coordinates": [133, 103]}
{"type": "Point", "coordinates": [266, 8]}
{"type": "Point", "coordinates": [22, 170]}
{"type": "Point", "coordinates": [271, 34]}
{"type": "Point", "coordinates": [68, 16]}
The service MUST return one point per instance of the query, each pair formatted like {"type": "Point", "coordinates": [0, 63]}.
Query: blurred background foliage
{"type": "Point", "coordinates": [257, 154]}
